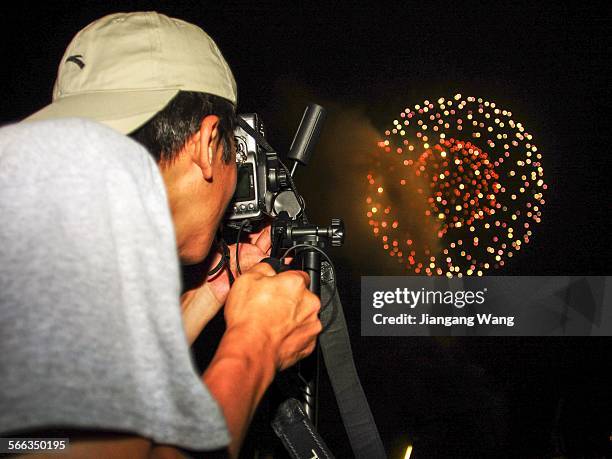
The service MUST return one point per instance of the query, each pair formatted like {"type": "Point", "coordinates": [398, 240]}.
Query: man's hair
{"type": "Point", "coordinates": [170, 129]}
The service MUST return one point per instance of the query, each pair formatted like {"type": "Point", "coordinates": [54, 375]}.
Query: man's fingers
{"type": "Point", "coordinates": [303, 342]}
{"type": "Point", "coordinates": [264, 241]}
{"type": "Point", "coordinates": [264, 269]}
{"type": "Point", "coordinates": [295, 274]}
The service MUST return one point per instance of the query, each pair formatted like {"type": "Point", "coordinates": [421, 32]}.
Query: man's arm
{"type": "Point", "coordinates": [198, 307]}
{"type": "Point", "coordinates": [237, 378]}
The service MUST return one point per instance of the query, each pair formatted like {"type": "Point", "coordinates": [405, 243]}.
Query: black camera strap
{"type": "Point", "coordinates": [296, 432]}
{"type": "Point", "coordinates": [291, 424]}
{"type": "Point", "coordinates": [352, 402]}
{"type": "Point", "coordinates": [261, 141]}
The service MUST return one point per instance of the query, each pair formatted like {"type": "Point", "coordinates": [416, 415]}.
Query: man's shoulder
{"type": "Point", "coordinates": [78, 127]}
{"type": "Point", "coordinates": [57, 151]}
{"type": "Point", "coordinates": [77, 140]}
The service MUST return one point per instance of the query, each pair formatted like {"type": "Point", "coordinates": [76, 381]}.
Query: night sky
{"type": "Point", "coordinates": [459, 397]}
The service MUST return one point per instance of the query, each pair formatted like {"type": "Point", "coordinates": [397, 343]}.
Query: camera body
{"type": "Point", "coordinates": [249, 198]}
{"type": "Point", "coordinates": [264, 184]}
{"type": "Point", "coordinates": [259, 178]}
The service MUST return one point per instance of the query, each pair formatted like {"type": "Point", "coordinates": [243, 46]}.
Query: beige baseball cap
{"type": "Point", "coordinates": [124, 68]}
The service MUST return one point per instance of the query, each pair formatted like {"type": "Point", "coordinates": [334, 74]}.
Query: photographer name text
{"type": "Point", "coordinates": [414, 298]}
{"type": "Point", "coordinates": [446, 321]}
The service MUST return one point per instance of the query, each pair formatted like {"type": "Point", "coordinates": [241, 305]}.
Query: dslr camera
{"type": "Point", "coordinates": [264, 185]}
{"type": "Point", "coordinates": [259, 177]}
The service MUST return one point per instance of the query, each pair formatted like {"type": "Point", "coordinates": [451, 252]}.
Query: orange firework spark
{"type": "Point", "coordinates": [456, 187]}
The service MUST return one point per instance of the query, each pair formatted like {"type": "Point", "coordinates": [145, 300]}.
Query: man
{"type": "Point", "coordinates": [91, 338]}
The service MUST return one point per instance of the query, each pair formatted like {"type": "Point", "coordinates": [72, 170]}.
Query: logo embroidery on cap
{"type": "Point", "coordinates": [77, 59]}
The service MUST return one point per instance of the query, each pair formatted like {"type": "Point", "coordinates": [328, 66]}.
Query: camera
{"type": "Point", "coordinates": [259, 178]}
{"type": "Point", "coordinates": [265, 188]}
{"type": "Point", "coordinates": [264, 185]}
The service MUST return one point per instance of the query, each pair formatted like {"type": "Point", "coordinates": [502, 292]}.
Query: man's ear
{"type": "Point", "coordinates": [205, 145]}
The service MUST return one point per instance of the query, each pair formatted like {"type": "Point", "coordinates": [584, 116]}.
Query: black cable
{"type": "Point", "coordinates": [217, 268]}
{"type": "Point", "coordinates": [226, 257]}
{"type": "Point", "coordinates": [221, 263]}
{"type": "Point", "coordinates": [307, 394]}
{"type": "Point", "coordinates": [242, 225]}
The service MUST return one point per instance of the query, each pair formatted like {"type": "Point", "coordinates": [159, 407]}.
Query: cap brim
{"type": "Point", "coordinates": [123, 111]}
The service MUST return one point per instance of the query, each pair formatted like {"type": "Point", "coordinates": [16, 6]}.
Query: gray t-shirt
{"type": "Point", "coordinates": [90, 327]}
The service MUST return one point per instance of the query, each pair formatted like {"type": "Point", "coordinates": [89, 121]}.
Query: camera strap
{"type": "Point", "coordinates": [291, 424]}
{"type": "Point", "coordinates": [352, 403]}
{"type": "Point", "coordinates": [261, 141]}
{"type": "Point", "coordinates": [296, 432]}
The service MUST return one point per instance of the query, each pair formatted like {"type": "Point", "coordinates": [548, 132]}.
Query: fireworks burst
{"type": "Point", "coordinates": [456, 187]}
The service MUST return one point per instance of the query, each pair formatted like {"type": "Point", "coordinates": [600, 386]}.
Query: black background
{"type": "Point", "coordinates": [547, 61]}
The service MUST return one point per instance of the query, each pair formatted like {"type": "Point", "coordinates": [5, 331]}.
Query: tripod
{"type": "Point", "coordinates": [309, 242]}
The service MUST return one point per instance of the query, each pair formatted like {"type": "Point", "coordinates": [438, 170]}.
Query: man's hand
{"type": "Point", "coordinates": [250, 254]}
{"type": "Point", "coordinates": [277, 308]}
{"type": "Point", "coordinates": [199, 305]}
{"type": "Point", "coordinates": [272, 322]}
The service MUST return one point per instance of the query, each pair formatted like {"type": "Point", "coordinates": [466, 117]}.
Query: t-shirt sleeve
{"type": "Point", "coordinates": [90, 327]}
